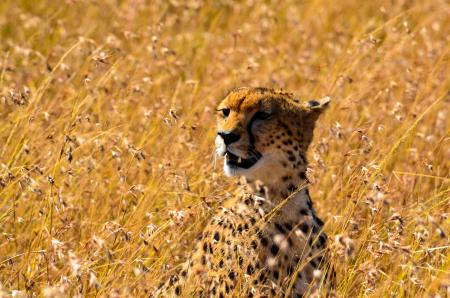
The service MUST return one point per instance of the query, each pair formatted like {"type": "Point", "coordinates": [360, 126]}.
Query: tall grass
{"type": "Point", "coordinates": [107, 167]}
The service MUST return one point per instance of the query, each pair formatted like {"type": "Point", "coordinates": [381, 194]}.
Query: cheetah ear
{"type": "Point", "coordinates": [316, 107]}
{"type": "Point", "coordinates": [319, 104]}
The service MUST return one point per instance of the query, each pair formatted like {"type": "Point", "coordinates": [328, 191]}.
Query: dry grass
{"type": "Point", "coordinates": [107, 172]}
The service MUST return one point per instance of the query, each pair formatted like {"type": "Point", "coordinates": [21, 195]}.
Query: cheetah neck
{"type": "Point", "coordinates": [290, 201]}
{"type": "Point", "coordinates": [288, 195]}
{"type": "Point", "coordinates": [291, 185]}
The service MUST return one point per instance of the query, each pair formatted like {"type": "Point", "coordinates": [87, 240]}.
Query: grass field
{"type": "Point", "coordinates": [107, 167]}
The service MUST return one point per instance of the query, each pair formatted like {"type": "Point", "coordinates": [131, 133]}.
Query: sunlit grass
{"type": "Point", "coordinates": [107, 167]}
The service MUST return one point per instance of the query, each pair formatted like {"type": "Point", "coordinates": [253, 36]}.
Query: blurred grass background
{"type": "Point", "coordinates": [107, 167]}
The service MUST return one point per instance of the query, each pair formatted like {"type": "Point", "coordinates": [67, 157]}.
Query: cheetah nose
{"type": "Point", "coordinates": [229, 137]}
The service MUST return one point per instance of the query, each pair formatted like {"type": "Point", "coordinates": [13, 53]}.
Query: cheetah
{"type": "Point", "coordinates": [267, 239]}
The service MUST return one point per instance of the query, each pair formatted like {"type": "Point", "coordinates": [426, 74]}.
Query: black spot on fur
{"type": "Point", "coordinates": [318, 220]}
{"type": "Point", "coordinates": [240, 261]}
{"type": "Point", "coordinates": [286, 178]}
{"type": "Point", "coordinates": [250, 270]}
{"type": "Point", "coordinates": [302, 175]}
{"type": "Point", "coordinates": [279, 228]}
{"type": "Point", "coordinates": [264, 241]}
{"type": "Point", "coordinates": [322, 240]}
{"type": "Point", "coordinates": [263, 277]}
{"type": "Point", "coordinates": [274, 249]}
{"type": "Point", "coordinates": [315, 229]}
{"type": "Point", "coordinates": [275, 274]}
{"type": "Point", "coordinates": [303, 212]}
{"type": "Point", "coordinates": [216, 236]}
{"type": "Point", "coordinates": [304, 227]}
{"type": "Point", "coordinates": [302, 157]}
{"type": "Point", "coordinates": [178, 290]}
{"type": "Point", "coordinates": [231, 275]}
{"type": "Point", "coordinates": [292, 188]}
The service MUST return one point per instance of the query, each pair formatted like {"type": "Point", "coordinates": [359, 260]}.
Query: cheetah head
{"type": "Point", "coordinates": [262, 131]}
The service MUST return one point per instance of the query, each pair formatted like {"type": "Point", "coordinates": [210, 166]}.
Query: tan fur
{"type": "Point", "coordinates": [267, 239]}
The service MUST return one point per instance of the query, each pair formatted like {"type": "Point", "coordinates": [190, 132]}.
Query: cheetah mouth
{"type": "Point", "coordinates": [239, 162]}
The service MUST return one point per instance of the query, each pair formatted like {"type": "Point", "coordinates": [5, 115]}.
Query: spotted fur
{"type": "Point", "coordinates": [267, 240]}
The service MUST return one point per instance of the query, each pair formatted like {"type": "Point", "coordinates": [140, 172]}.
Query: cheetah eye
{"type": "Point", "coordinates": [262, 115]}
{"type": "Point", "coordinates": [224, 112]}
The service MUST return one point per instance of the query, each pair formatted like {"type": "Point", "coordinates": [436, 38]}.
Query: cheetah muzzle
{"type": "Point", "coordinates": [234, 161]}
